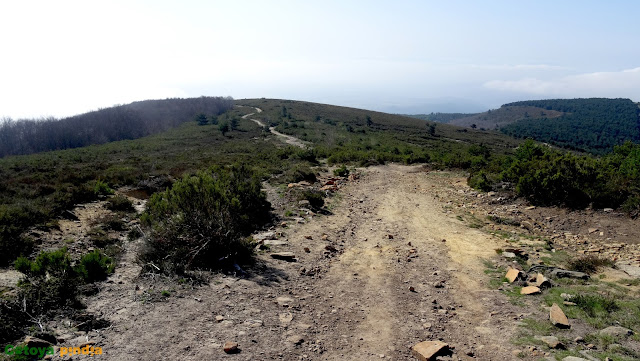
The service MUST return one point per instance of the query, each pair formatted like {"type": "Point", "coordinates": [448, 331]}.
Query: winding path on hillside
{"type": "Point", "coordinates": [289, 139]}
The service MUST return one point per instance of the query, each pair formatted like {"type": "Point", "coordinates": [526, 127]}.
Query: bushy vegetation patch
{"type": "Point", "coordinates": [479, 180]}
{"type": "Point", "coordinates": [342, 171]}
{"type": "Point", "coordinates": [51, 282]}
{"type": "Point", "coordinates": [593, 304]}
{"type": "Point", "coordinates": [13, 221]}
{"type": "Point", "coordinates": [300, 172]}
{"type": "Point", "coordinates": [120, 203]}
{"type": "Point", "coordinates": [94, 266]}
{"type": "Point", "coordinates": [589, 264]}
{"type": "Point", "coordinates": [204, 219]}
{"type": "Point", "coordinates": [315, 197]}
{"type": "Point", "coordinates": [546, 176]}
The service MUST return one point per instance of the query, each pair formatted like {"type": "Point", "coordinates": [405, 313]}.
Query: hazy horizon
{"type": "Point", "coordinates": [69, 57]}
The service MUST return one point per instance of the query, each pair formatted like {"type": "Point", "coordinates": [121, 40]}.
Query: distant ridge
{"type": "Point", "coordinates": [130, 121]}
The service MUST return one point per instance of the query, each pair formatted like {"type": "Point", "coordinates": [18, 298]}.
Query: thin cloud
{"type": "Point", "coordinates": [507, 67]}
{"type": "Point", "coordinates": [624, 84]}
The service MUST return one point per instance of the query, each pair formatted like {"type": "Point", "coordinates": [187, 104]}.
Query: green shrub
{"type": "Point", "coordinates": [94, 266]}
{"type": "Point", "coordinates": [589, 264]}
{"type": "Point", "coordinates": [120, 203]}
{"type": "Point", "coordinates": [13, 221]}
{"type": "Point", "coordinates": [307, 155]}
{"type": "Point", "coordinates": [299, 173]}
{"type": "Point", "coordinates": [204, 218]}
{"type": "Point", "coordinates": [479, 181]}
{"type": "Point", "coordinates": [550, 177]}
{"type": "Point", "coordinates": [341, 172]}
{"type": "Point", "coordinates": [315, 198]}
{"type": "Point", "coordinates": [50, 282]}
{"type": "Point", "coordinates": [102, 188]}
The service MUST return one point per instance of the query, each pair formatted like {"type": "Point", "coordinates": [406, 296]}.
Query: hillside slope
{"type": "Point", "coordinates": [505, 115]}
{"type": "Point", "coordinates": [593, 125]}
{"type": "Point", "coordinates": [331, 126]}
{"type": "Point", "coordinates": [130, 121]}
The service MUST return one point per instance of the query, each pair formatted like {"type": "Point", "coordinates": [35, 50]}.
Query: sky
{"type": "Point", "coordinates": [60, 58]}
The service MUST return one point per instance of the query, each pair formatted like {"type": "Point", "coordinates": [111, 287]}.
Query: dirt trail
{"type": "Point", "coordinates": [285, 137]}
{"type": "Point", "coordinates": [393, 229]}
{"type": "Point", "coordinates": [379, 281]}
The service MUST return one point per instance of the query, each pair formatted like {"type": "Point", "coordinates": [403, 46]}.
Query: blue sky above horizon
{"type": "Point", "coordinates": [66, 57]}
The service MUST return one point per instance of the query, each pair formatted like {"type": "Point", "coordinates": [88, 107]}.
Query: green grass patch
{"type": "Point", "coordinates": [598, 305]}
{"type": "Point", "coordinates": [629, 282]}
{"type": "Point", "coordinates": [556, 258]}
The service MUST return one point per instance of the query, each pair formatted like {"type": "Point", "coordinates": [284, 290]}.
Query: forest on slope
{"type": "Point", "coordinates": [593, 125]}
{"type": "Point", "coordinates": [130, 121]}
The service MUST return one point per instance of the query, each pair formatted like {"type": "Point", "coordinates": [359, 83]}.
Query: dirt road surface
{"type": "Point", "coordinates": [389, 268]}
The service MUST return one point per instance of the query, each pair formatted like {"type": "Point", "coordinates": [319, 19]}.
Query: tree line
{"type": "Point", "coordinates": [130, 121]}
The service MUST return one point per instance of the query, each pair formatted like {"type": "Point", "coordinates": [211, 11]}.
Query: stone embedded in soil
{"type": "Point", "coordinates": [529, 290]}
{"type": "Point", "coordinates": [31, 341]}
{"type": "Point", "coordinates": [562, 273]}
{"type": "Point", "coordinates": [512, 275]}
{"type": "Point", "coordinates": [284, 256]}
{"type": "Point", "coordinates": [275, 242]}
{"type": "Point", "coordinates": [428, 350]}
{"type": "Point", "coordinates": [296, 339]}
{"type": "Point", "coordinates": [542, 281]}
{"type": "Point", "coordinates": [633, 271]}
{"type": "Point", "coordinates": [265, 236]}
{"type": "Point", "coordinates": [616, 331]}
{"type": "Point", "coordinates": [566, 296]}
{"type": "Point", "coordinates": [551, 341]}
{"type": "Point", "coordinates": [230, 347]}
{"type": "Point", "coordinates": [284, 301]}
{"type": "Point", "coordinates": [219, 318]}
{"type": "Point", "coordinates": [557, 317]}
{"type": "Point", "coordinates": [285, 318]}
{"type": "Point", "coordinates": [253, 323]}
